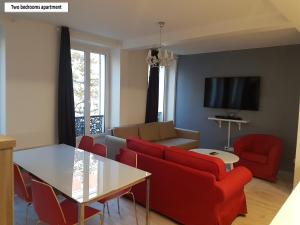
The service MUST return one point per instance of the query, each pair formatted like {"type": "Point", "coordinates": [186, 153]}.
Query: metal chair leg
{"type": "Point", "coordinates": [103, 213]}
{"type": "Point", "coordinates": [118, 201]}
{"type": "Point", "coordinates": [27, 210]}
{"type": "Point", "coordinates": [134, 203]}
{"type": "Point", "coordinates": [107, 208]}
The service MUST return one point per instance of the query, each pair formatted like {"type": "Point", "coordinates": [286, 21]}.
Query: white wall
{"type": "Point", "coordinates": [134, 83]}
{"type": "Point", "coordinates": [31, 81]}
{"type": "Point", "coordinates": [2, 82]}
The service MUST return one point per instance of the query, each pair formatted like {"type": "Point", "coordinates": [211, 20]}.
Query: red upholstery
{"type": "Point", "coordinates": [191, 196]}
{"type": "Point", "coordinates": [99, 149]}
{"type": "Point", "coordinates": [22, 185]}
{"type": "Point", "coordinates": [86, 143]}
{"type": "Point", "coordinates": [146, 147]}
{"type": "Point", "coordinates": [130, 160]}
{"type": "Point", "coordinates": [254, 157]}
{"type": "Point", "coordinates": [50, 211]}
{"type": "Point", "coordinates": [197, 161]}
{"type": "Point", "coordinates": [70, 211]}
{"type": "Point", "coordinates": [261, 154]}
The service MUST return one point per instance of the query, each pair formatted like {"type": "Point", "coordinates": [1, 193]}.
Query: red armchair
{"type": "Point", "coordinates": [261, 154]}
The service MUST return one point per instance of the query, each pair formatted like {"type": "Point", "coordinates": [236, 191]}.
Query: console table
{"type": "Point", "coordinates": [220, 122]}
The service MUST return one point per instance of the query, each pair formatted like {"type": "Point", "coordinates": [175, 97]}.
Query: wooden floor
{"type": "Point", "coordinates": [263, 199]}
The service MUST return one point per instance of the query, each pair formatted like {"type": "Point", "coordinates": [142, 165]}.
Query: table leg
{"type": "Point", "coordinates": [228, 136]}
{"type": "Point", "coordinates": [80, 214]}
{"type": "Point", "coordinates": [147, 200]}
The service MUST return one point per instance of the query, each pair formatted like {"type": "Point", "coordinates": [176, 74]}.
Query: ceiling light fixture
{"type": "Point", "coordinates": [164, 58]}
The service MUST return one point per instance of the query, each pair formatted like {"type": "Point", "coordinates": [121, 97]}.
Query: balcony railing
{"type": "Point", "coordinates": [96, 125]}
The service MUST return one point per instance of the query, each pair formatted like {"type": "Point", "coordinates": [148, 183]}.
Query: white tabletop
{"type": "Point", "coordinates": [78, 174]}
{"type": "Point", "coordinates": [227, 157]}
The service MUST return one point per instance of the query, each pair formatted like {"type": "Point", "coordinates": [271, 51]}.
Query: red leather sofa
{"type": "Point", "coordinates": [261, 154]}
{"type": "Point", "coordinates": [188, 187]}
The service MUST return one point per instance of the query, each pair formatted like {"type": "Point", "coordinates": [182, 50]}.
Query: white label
{"type": "Point", "coordinates": [36, 7]}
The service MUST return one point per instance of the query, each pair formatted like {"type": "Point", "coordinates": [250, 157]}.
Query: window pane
{"type": "Point", "coordinates": [78, 68]}
{"type": "Point", "coordinates": [161, 97]}
{"type": "Point", "coordinates": [97, 81]}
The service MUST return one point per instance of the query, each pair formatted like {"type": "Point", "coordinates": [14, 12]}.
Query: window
{"type": "Point", "coordinates": [161, 93]}
{"type": "Point", "coordinates": [89, 70]}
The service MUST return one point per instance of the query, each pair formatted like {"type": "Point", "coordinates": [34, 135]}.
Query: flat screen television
{"type": "Point", "coordinates": [232, 92]}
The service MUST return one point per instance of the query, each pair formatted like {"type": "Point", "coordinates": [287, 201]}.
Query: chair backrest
{"type": "Point", "coordinates": [128, 157]}
{"type": "Point", "coordinates": [99, 149]}
{"type": "Point", "coordinates": [20, 186]}
{"type": "Point", "coordinates": [86, 143]}
{"type": "Point", "coordinates": [260, 143]}
{"type": "Point", "coordinates": [46, 204]}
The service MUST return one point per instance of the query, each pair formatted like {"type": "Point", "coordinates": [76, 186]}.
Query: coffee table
{"type": "Point", "coordinates": [227, 157]}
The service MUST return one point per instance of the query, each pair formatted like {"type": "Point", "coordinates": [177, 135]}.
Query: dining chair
{"type": "Point", "coordinates": [51, 212]}
{"type": "Point", "coordinates": [99, 149]}
{"type": "Point", "coordinates": [22, 188]}
{"type": "Point", "coordinates": [131, 160]}
{"type": "Point", "coordinates": [86, 143]}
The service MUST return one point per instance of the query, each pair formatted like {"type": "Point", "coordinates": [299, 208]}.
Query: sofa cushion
{"type": "Point", "coordinates": [146, 147]}
{"type": "Point", "coordinates": [197, 161]}
{"type": "Point", "coordinates": [167, 130]}
{"type": "Point", "coordinates": [180, 142]}
{"type": "Point", "coordinates": [149, 131]}
{"type": "Point", "coordinates": [126, 132]}
{"type": "Point", "coordinates": [254, 157]}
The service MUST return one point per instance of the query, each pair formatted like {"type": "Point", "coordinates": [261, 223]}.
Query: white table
{"type": "Point", "coordinates": [81, 175]}
{"type": "Point", "coordinates": [227, 157]}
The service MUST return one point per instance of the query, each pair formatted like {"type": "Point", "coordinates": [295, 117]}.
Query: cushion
{"type": "Point", "coordinates": [146, 147]}
{"type": "Point", "coordinates": [254, 157]}
{"type": "Point", "coordinates": [180, 142]}
{"type": "Point", "coordinates": [149, 131]}
{"type": "Point", "coordinates": [167, 130]}
{"type": "Point", "coordinates": [126, 132]}
{"type": "Point", "coordinates": [197, 161]}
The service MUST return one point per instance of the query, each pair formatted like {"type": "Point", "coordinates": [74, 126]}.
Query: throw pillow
{"type": "Point", "coordinates": [149, 131]}
{"type": "Point", "coordinates": [167, 130]}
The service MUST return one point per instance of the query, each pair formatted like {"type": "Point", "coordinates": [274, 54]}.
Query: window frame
{"type": "Point", "coordinates": [87, 49]}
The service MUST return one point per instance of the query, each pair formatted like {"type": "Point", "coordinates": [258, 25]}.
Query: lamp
{"type": "Point", "coordinates": [163, 58]}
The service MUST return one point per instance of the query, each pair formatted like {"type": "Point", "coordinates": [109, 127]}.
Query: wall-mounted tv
{"type": "Point", "coordinates": [232, 92]}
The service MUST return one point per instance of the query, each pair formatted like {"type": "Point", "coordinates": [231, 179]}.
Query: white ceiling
{"type": "Point", "coordinates": [192, 26]}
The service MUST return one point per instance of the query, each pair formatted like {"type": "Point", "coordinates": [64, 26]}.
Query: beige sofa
{"type": "Point", "coordinates": [163, 133]}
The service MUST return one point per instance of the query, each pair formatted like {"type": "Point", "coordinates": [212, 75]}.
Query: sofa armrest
{"type": "Point", "coordinates": [189, 134]}
{"type": "Point", "coordinates": [234, 182]}
{"type": "Point", "coordinates": [114, 144]}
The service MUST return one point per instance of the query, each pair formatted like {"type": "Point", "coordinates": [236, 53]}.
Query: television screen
{"type": "Point", "coordinates": [232, 92]}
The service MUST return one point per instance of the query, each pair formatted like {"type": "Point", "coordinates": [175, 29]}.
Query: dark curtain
{"type": "Point", "coordinates": [152, 94]}
{"type": "Point", "coordinates": [66, 112]}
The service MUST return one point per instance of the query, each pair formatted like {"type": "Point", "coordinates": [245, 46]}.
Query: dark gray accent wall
{"type": "Point", "coordinates": [279, 69]}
